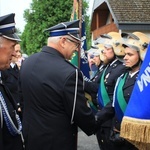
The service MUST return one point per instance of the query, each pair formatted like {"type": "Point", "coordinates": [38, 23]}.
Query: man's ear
{"type": "Point", "coordinates": [62, 41]}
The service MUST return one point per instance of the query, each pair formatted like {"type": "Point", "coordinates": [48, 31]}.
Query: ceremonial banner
{"type": "Point", "coordinates": [84, 65]}
{"type": "Point", "coordinates": [75, 16]}
{"type": "Point", "coordinates": [135, 126]}
{"type": "Point", "coordinates": [79, 58]}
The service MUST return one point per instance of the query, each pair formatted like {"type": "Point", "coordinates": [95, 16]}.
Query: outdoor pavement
{"type": "Point", "coordinates": [87, 142]}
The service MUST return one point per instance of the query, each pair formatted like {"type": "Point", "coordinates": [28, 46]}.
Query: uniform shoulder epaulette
{"type": "Point", "coordinates": [122, 75]}
{"type": "Point", "coordinates": [116, 63]}
{"type": "Point", "coordinates": [71, 64]}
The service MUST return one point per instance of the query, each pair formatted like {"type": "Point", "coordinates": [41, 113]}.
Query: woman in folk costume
{"type": "Point", "coordinates": [135, 46]}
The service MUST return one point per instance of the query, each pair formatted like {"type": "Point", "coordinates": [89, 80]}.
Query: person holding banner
{"type": "Point", "coordinates": [91, 86]}
{"type": "Point", "coordinates": [113, 53]}
{"type": "Point", "coordinates": [135, 46]}
{"type": "Point", "coordinates": [135, 126]}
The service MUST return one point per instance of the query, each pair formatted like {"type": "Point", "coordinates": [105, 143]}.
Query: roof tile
{"type": "Point", "coordinates": [131, 11]}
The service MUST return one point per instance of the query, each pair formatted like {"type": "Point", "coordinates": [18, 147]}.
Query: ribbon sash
{"type": "Point", "coordinates": [120, 102]}
{"type": "Point", "coordinates": [103, 97]}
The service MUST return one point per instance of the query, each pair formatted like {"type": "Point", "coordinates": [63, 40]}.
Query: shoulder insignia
{"type": "Point", "coordinates": [106, 77]}
{"type": "Point", "coordinates": [71, 64]}
{"type": "Point", "coordinates": [114, 65]}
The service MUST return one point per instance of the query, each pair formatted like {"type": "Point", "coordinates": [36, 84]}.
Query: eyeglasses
{"type": "Point", "coordinates": [76, 43]}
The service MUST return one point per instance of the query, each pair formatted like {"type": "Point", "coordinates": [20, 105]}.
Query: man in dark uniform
{"type": "Point", "coordinates": [54, 101]}
{"type": "Point", "coordinates": [91, 85]}
{"type": "Point", "coordinates": [10, 77]}
{"type": "Point", "coordinates": [113, 52]}
{"type": "Point", "coordinates": [124, 87]}
{"type": "Point", "coordinates": [10, 125]}
{"type": "Point", "coordinates": [94, 60]}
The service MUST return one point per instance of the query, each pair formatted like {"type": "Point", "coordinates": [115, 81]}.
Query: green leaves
{"type": "Point", "coordinates": [41, 15]}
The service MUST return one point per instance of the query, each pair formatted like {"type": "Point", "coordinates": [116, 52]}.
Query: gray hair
{"type": "Point", "coordinates": [54, 39]}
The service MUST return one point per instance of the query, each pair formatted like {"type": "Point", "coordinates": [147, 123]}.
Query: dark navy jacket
{"type": "Point", "coordinates": [7, 141]}
{"type": "Point", "coordinates": [48, 84]}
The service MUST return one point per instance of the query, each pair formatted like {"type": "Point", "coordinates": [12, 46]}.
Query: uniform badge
{"type": "Point", "coordinates": [106, 77]}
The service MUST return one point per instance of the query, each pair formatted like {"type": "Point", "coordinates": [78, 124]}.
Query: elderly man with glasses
{"type": "Point", "coordinates": [10, 124]}
{"type": "Point", "coordinates": [54, 101]}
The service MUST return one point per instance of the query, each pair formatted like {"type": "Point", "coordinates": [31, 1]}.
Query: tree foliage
{"type": "Point", "coordinates": [42, 15]}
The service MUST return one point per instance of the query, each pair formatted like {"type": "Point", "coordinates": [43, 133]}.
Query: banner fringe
{"type": "Point", "coordinates": [136, 131]}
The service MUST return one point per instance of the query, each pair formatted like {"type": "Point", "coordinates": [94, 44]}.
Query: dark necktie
{"type": "Point", "coordinates": [1, 80]}
{"type": "Point", "coordinates": [15, 68]}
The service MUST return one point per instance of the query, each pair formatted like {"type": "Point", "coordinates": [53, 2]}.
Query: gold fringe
{"type": "Point", "coordinates": [136, 131]}
{"type": "Point", "coordinates": [141, 146]}
{"type": "Point", "coordinates": [88, 96]}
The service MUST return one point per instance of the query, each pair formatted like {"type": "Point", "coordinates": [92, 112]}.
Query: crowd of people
{"type": "Point", "coordinates": [43, 99]}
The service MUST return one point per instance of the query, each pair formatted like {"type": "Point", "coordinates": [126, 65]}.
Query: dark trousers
{"type": "Point", "coordinates": [103, 138]}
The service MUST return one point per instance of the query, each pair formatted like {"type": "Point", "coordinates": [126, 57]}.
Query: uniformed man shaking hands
{"type": "Point", "coordinates": [54, 101]}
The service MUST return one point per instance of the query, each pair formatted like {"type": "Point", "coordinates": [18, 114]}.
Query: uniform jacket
{"type": "Point", "coordinates": [113, 71]}
{"type": "Point", "coordinates": [91, 87]}
{"type": "Point", "coordinates": [127, 91]}
{"type": "Point", "coordinates": [48, 85]}
{"type": "Point", "coordinates": [10, 78]}
{"type": "Point", "coordinates": [7, 141]}
{"type": "Point", "coordinates": [108, 111]}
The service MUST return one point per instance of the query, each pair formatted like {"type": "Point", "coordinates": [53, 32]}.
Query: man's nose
{"type": "Point", "coordinates": [125, 57]}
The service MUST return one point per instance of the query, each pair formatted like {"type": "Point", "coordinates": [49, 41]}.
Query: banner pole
{"type": "Point", "coordinates": [80, 25]}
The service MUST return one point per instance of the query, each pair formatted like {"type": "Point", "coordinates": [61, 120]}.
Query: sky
{"type": "Point", "coordinates": [18, 7]}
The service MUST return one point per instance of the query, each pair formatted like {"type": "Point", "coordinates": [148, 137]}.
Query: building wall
{"type": "Point", "coordinates": [102, 21]}
{"type": "Point", "coordinates": [103, 30]}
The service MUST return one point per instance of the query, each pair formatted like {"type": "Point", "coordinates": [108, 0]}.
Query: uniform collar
{"type": "Point", "coordinates": [113, 62]}
{"type": "Point", "coordinates": [51, 50]}
{"type": "Point", "coordinates": [12, 65]}
{"type": "Point", "coordinates": [132, 74]}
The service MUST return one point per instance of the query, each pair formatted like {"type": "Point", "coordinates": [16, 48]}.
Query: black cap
{"type": "Point", "coordinates": [7, 27]}
{"type": "Point", "coordinates": [65, 28]}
